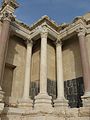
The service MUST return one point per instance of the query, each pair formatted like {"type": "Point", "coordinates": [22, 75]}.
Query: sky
{"type": "Point", "coordinates": [60, 11]}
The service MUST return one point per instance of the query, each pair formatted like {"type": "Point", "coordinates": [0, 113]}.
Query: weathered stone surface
{"type": "Point", "coordinates": [14, 73]}
{"type": "Point", "coordinates": [74, 89]}
{"type": "Point", "coordinates": [84, 112]}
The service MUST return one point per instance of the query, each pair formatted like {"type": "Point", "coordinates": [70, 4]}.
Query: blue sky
{"type": "Point", "coordinates": [58, 10]}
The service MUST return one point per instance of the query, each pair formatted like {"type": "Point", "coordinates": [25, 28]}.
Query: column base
{"type": "Point", "coordinates": [86, 99]}
{"type": "Point", "coordinates": [1, 107]}
{"type": "Point", "coordinates": [1, 95]}
{"type": "Point", "coordinates": [1, 100]}
{"type": "Point", "coordinates": [60, 103]}
{"type": "Point", "coordinates": [25, 103]}
{"type": "Point", "coordinates": [43, 102]}
{"type": "Point", "coordinates": [12, 102]}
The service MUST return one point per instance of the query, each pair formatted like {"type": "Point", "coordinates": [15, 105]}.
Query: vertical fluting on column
{"type": "Point", "coordinates": [60, 101]}
{"type": "Point", "coordinates": [85, 66]}
{"type": "Point", "coordinates": [26, 100]}
{"type": "Point", "coordinates": [43, 100]}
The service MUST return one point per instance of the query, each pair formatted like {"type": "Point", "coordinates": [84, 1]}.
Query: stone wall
{"type": "Point", "coordinates": [51, 61]}
{"type": "Point", "coordinates": [16, 59]}
{"type": "Point", "coordinates": [71, 59]}
{"type": "Point", "coordinates": [35, 65]}
{"type": "Point", "coordinates": [74, 89]}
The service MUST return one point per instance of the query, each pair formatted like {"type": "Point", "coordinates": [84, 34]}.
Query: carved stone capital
{"type": "Point", "coordinates": [58, 43]}
{"type": "Point", "coordinates": [81, 32]}
{"type": "Point", "coordinates": [29, 42]}
{"type": "Point", "coordinates": [43, 32]}
{"type": "Point", "coordinates": [8, 17]}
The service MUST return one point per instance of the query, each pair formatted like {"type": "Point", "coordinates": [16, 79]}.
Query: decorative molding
{"type": "Point", "coordinates": [12, 3]}
{"type": "Point", "coordinates": [79, 18]}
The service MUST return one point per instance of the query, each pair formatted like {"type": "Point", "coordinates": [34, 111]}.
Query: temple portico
{"type": "Point", "coordinates": [44, 68]}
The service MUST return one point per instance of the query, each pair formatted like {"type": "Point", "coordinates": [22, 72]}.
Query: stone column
{"type": "Point", "coordinates": [26, 101]}
{"type": "Point", "coordinates": [43, 100]}
{"type": "Point", "coordinates": [60, 101]}
{"type": "Point", "coordinates": [4, 39]}
{"type": "Point", "coordinates": [43, 64]}
{"type": "Point", "coordinates": [85, 67]}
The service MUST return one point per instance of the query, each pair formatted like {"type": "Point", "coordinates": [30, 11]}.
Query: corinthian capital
{"type": "Point", "coordinates": [81, 31]}
{"type": "Point", "coordinates": [58, 42]}
{"type": "Point", "coordinates": [29, 42]}
{"type": "Point", "coordinates": [8, 16]}
{"type": "Point", "coordinates": [43, 32]}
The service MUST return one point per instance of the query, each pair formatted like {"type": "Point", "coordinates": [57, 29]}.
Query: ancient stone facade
{"type": "Point", "coordinates": [44, 68]}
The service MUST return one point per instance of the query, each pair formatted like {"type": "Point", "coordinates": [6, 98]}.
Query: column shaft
{"type": "Point", "coordinates": [85, 62]}
{"type": "Point", "coordinates": [60, 82]}
{"type": "Point", "coordinates": [60, 101]}
{"type": "Point", "coordinates": [3, 45]}
{"type": "Point", "coordinates": [27, 71]}
{"type": "Point", "coordinates": [43, 65]}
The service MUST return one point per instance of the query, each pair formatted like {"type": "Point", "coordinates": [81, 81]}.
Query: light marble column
{"type": "Point", "coordinates": [43, 100]}
{"type": "Point", "coordinates": [26, 101]}
{"type": "Point", "coordinates": [60, 101]}
{"type": "Point", "coordinates": [85, 66]}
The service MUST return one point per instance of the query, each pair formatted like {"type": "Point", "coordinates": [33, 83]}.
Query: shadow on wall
{"type": "Point", "coordinates": [9, 82]}
{"type": "Point", "coordinates": [74, 88]}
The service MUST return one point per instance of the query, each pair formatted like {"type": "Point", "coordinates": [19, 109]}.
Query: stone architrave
{"type": "Point", "coordinates": [60, 101]}
{"type": "Point", "coordinates": [85, 66]}
{"type": "Point", "coordinates": [43, 100]}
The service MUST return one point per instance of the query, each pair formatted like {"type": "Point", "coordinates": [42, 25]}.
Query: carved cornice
{"type": "Point", "coordinates": [79, 18]}
{"type": "Point", "coordinates": [46, 19]}
{"type": "Point", "coordinates": [11, 3]}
